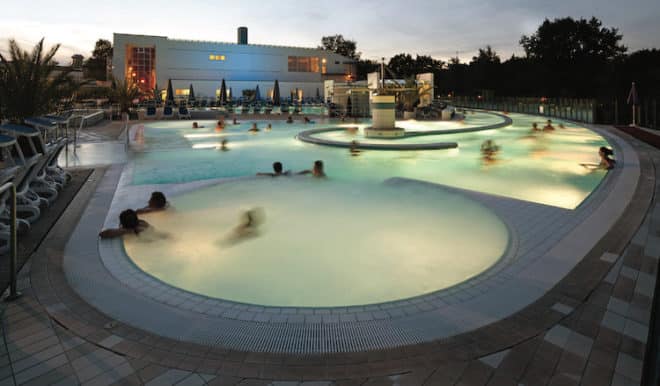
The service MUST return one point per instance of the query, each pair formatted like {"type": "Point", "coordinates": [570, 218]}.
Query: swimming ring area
{"type": "Point", "coordinates": [394, 248]}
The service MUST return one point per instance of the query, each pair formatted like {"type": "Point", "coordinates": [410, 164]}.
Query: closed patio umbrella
{"type": "Point", "coordinates": [276, 94]}
{"type": "Point", "coordinates": [169, 97]}
{"type": "Point", "coordinates": [191, 95]}
{"type": "Point", "coordinates": [223, 92]}
{"type": "Point", "coordinates": [158, 99]}
{"type": "Point", "coordinates": [349, 106]}
{"type": "Point", "coordinates": [257, 94]}
{"type": "Point", "coordinates": [230, 96]}
{"type": "Point", "coordinates": [318, 94]}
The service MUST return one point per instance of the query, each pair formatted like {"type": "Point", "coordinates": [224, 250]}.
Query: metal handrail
{"type": "Point", "coordinates": [13, 266]}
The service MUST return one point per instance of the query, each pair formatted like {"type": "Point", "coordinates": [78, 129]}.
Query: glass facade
{"type": "Point", "coordinates": [305, 64]}
{"type": "Point", "coordinates": [141, 66]}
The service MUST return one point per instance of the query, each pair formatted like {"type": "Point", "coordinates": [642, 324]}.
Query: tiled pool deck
{"type": "Point", "coordinates": [589, 328]}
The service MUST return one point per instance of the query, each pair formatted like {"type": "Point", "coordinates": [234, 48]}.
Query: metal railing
{"type": "Point", "coordinates": [13, 265]}
{"type": "Point", "coordinates": [580, 110]}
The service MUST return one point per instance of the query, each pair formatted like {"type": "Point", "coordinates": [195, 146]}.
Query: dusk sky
{"type": "Point", "coordinates": [381, 28]}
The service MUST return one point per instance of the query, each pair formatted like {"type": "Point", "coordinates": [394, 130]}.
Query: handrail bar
{"type": "Point", "coordinates": [13, 292]}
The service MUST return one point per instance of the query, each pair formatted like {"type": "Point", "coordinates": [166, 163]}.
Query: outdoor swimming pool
{"type": "Point", "coordinates": [321, 243]}
{"type": "Point", "coordinates": [542, 167]}
{"type": "Point", "coordinates": [359, 236]}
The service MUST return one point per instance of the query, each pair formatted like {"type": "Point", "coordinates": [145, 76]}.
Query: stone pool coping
{"type": "Point", "coordinates": [308, 137]}
{"type": "Point", "coordinates": [244, 327]}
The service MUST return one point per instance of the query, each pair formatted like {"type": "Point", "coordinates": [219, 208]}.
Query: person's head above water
{"type": "Point", "coordinates": [157, 200]}
{"type": "Point", "coordinates": [277, 167]}
{"type": "Point", "coordinates": [128, 219]}
{"type": "Point", "coordinates": [606, 152]}
{"type": "Point", "coordinates": [318, 166]}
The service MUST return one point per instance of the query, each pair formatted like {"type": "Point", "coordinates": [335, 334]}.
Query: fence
{"type": "Point", "coordinates": [580, 110]}
{"type": "Point", "coordinates": [619, 112]}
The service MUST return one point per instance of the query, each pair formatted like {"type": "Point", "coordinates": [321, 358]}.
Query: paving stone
{"type": "Point", "coordinates": [477, 373]}
{"type": "Point", "coordinates": [170, 377]}
{"type": "Point", "coordinates": [494, 360]}
{"type": "Point", "coordinates": [629, 367]}
{"type": "Point", "coordinates": [595, 374]}
{"type": "Point", "coordinates": [192, 380]}
{"type": "Point", "coordinates": [111, 341]}
{"type": "Point", "coordinates": [618, 306]}
{"type": "Point", "coordinates": [562, 308]}
{"type": "Point", "coordinates": [609, 257]}
{"type": "Point", "coordinates": [636, 330]}
{"type": "Point", "coordinates": [558, 335]}
{"type": "Point", "coordinates": [579, 344]}
{"type": "Point", "coordinates": [613, 321]}
{"type": "Point", "coordinates": [40, 369]}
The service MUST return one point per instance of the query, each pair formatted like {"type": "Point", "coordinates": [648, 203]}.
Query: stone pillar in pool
{"type": "Point", "coordinates": [383, 117]}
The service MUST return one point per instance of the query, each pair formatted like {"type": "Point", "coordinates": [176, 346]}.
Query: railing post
{"type": "Point", "coordinates": [13, 265]}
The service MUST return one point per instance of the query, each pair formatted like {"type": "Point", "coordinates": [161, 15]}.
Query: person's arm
{"type": "Point", "coordinates": [113, 232]}
{"type": "Point", "coordinates": [304, 172]}
{"type": "Point", "coordinates": [148, 209]}
{"type": "Point", "coordinates": [266, 174]}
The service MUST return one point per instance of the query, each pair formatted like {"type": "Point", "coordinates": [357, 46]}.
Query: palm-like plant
{"type": "Point", "coordinates": [29, 82]}
{"type": "Point", "coordinates": [124, 92]}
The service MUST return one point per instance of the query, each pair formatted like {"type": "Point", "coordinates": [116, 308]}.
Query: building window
{"type": "Point", "coordinates": [214, 57]}
{"type": "Point", "coordinates": [182, 92]}
{"type": "Point", "coordinates": [304, 64]}
{"type": "Point", "coordinates": [141, 66]}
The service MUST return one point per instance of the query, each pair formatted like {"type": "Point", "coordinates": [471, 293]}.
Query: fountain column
{"type": "Point", "coordinates": [383, 117]}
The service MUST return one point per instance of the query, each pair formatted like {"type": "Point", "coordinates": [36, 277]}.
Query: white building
{"type": "Point", "coordinates": [153, 60]}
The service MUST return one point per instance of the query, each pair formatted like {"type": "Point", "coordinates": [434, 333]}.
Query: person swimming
{"type": "Point", "coordinates": [548, 126]}
{"type": "Point", "coordinates": [223, 145]}
{"type": "Point", "coordinates": [606, 160]}
{"type": "Point", "coordinates": [234, 121]}
{"type": "Point", "coordinates": [489, 151]}
{"type": "Point", "coordinates": [249, 226]}
{"type": "Point", "coordinates": [156, 203]}
{"type": "Point", "coordinates": [289, 119]}
{"type": "Point", "coordinates": [277, 171]}
{"type": "Point", "coordinates": [352, 130]}
{"type": "Point", "coordinates": [269, 127]}
{"type": "Point", "coordinates": [306, 120]}
{"type": "Point", "coordinates": [196, 126]}
{"type": "Point", "coordinates": [317, 170]}
{"type": "Point", "coordinates": [535, 127]}
{"type": "Point", "coordinates": [354, 150]}
{"type": "Point", "coordinates": [129, 223]}
{"type": "Point", "coordinates": [220, 125]}
{"type": "Point", "coordinates": [253, 129]}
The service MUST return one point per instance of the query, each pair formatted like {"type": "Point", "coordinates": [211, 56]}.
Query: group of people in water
{"type": "Point", "coordinates": [548, 126]}
{"type": "Point", "coordinates": [278, 170]}
{"type": "Point", "coordinates": [129, 223]}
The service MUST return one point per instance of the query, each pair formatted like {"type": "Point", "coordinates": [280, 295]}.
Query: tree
{"type": "Point", "coordinates": [486, 56]}
{"type": "Point", "coordinates": [31, 84]}
{"type": "Point", "coordinates": [567, 40]}
{"type": "Point", "coordinates": [124, 92]}
{"type": "Point", "coordinates": [96, 66]}
{"type": "Point", "coordinates": [341, 46]}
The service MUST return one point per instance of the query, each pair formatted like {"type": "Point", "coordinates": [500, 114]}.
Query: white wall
{"type": "Point", "coordinates": [244, 67]}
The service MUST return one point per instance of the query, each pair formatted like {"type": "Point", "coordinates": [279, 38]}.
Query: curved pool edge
{"type": "Point", "coordinates": [401, 327]}
{"type": "Point", "coordinates": [115, 258]}
{"type": "Point", "coordinates": [307, 136]}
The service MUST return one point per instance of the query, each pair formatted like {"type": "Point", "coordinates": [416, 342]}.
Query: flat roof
{"type": "Point", "coordinates": [233, 43]}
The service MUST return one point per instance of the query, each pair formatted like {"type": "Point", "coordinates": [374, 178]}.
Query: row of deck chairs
{"type": "Point", "coordinates": [30, 162]}
{"type": "Point", "coordinates": [168, 113]}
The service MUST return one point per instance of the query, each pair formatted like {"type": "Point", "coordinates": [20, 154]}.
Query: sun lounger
{"type": "Point", "coordinates": [168, 113]}
{"type": "Point", "coordinates": [184, 113]}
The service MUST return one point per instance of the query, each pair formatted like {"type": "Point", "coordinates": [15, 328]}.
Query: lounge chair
{"type": "Point", "coordinates": [30, 143]}
{"type": "Point", "coordinates": [150, 113]}
{"type": "Point", "coordinates": [168, 112]}
{"type": "Point", "coordinates": [184, 113]}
